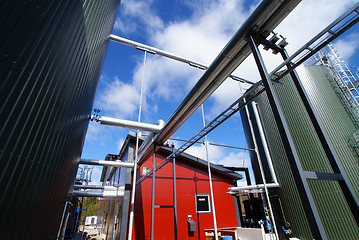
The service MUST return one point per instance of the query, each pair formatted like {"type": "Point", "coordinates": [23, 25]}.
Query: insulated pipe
{"type": "Point", "coordinates": [263, 20]}
{"type": "Point", "coordinates": [264, 141]}
{"type": "Point", "coordinates": [107, 163]}
{"type": "Point", "coordinates": [132, 124]}
{"type": "Point", "coordinates": [106, 188]}
{"type": "Point", "coordinates": [80, 193]}
{"type": "Point", "coordinates": [252, 187]}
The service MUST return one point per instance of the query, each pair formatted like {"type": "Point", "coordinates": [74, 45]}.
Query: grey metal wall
{"type": "Point", "coordinates": [51, 56]}
{"type": "Point", "coordinates": [333, 210]}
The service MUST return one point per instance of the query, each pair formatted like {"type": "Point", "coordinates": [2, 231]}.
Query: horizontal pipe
{"type": "Point", "coordinates": [107, 163]}
{"type": "Point", "coordinates": [252, 187]}
{"type": "Point", "coordinates": [132, 124]}
{"type": "Point", "coordinates": [263, 20]}
{"type": "Point", "coordinates": [80, 193]}
{"type": "Point", "coordinates": [106, 188]}
{"type": "Point", "coordinates": [153, 50]}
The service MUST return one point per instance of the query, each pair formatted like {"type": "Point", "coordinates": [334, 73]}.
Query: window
{"type": "Point", "coordinates": [202, 203]}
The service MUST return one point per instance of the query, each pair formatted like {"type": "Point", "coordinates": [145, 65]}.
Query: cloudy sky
{"type": "Point", "coordinates": [196, 30]}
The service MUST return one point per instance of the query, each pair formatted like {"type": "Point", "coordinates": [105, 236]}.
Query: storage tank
{"type": "Point", "coordinates": [51, 57]}
{"type": "Point", "coordinates": [339, 123]}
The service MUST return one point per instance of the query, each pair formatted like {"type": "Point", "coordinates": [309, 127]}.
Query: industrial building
{"type": "Point", "coordinates": [301, 125]}
{"type": "Point", "coordinates": [181, 197]}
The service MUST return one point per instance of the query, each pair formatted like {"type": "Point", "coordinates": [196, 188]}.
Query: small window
{"type": "Point", "coordinates": [145, 170]}
{"type": "Point", "coordinates": [203, 203]}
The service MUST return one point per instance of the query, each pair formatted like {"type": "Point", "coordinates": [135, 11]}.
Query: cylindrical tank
{"type": "Point", "coordinates": [319, 85]}
{"type": "Point", "coordinates": [51, 57]}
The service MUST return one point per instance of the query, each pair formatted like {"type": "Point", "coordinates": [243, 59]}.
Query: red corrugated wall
{"type": "Point", "coordinates": [191, 180]}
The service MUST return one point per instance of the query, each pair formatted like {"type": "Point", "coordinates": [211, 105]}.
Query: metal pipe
{"type": "Point", "coordinates": [131, 124]}
{"type": "Point", "coordinates": [62, 220]}
{"type": "Point", "coordinates": [153, 50]}
{"type": "Point", "coordinates": [264, 142]}
{"type": "Point", "coordinates": [262, 172]}
{"type": "Point", "coordinates": [153, 194]}
{"type": "Point", "coordinates": [264, 19]}
{"type": "Point", "coordinates": [107, 163]}
{"type": "Point", "coordinates": [80, 193]}
{"type": "Point", "coordinates": [251, 187]}
{"type": "Point", "coordinates": [106, 188]}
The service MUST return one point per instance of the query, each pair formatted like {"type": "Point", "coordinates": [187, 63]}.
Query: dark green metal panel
{"type": "Point", "coordinates": [51, 56]}
{"type": "Point", "coordinates": [317, 81]}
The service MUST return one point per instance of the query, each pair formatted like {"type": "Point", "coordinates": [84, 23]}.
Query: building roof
{"type": "Point", "coordinates": [195, 161]}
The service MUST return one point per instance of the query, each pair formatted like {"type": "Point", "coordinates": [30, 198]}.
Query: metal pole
{"type": "Point", "coordinates": [153, 194]}
{"type": "Point", "coordinates": [210, 181]}
{"type": "Point", "coordinates": [308, 203]}
{"type": "Point", "coordinates": [62, 220]}
{"type": "Point", "coordinates": [136, 157]}
{"type": "Point", "coordinates": [174, 195]}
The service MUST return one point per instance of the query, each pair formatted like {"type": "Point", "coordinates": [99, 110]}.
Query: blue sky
{"type": "Point", "coordinates": [196, 30]}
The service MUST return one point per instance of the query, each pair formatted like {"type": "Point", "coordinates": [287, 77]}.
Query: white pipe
{"type": "Point", "coordinates": [132, 124]}
{"type": "Point", "coordinates": [251, 187]}
{"type": "Point", "coordinates": [264, 142]}
{"type": "Point", "coordinates": [107, 163]}
{"type": "Point", "coordinates": [262, 172]}
{"type": "Point", "coordinates": [80, 193]}
{"type": "Point", "coordinates": [106, 188]}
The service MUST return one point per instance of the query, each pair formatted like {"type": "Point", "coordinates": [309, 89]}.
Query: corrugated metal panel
{"type": "Point", "coordinates": [288, 192]}
{"type": "Point", "coordinates": [336, 121]}
{"type": "Point", "coordinates": [337, 219]}
{"type": "Point", "coordinates": [51, 56]}
{"type": "Point", "coordinates": [338, 125]}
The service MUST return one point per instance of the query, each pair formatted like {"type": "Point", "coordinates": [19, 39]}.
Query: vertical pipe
{"type": "Point", "coordinates": [175, 195]}
{"type": "Point", "coordinates": [62, 221]}
{"type": "Point", "coordinates": [306, 197]}
{"type": "Point", "coordinates": [136, 156]}
{"type": "Point", "coordinates": [153, 193]}
{"type": "Point", "coordinates": [210, 181]}
{"type": "Point", "coordinates": [64, 231]}
{"type": "Point", "coordinates": [264, 142]}
{"type": "Point", "coordinates": [261, 170]}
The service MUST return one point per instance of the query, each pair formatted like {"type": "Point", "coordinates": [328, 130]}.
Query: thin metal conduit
{"type": "Point", "coordinates": [264, 19]}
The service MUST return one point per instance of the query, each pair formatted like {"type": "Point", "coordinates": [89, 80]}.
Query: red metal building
{"type": "Point", "coordinates": [192, 191]}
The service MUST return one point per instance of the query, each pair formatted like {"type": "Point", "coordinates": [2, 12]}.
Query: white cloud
{"type": "Point", "coordinates": [147, 20]}
{"type": "Point", "coordinates": [214, 152]}
{"type": "Point", "coordinates": [348, 46]}
{"type": "Point", "coordinates": [119, 99]}
{"type": "Point", "coordinates": [239, 159]}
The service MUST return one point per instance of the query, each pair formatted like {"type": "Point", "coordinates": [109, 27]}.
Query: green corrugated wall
{"type": "Point", "coordinates": [334, 212]}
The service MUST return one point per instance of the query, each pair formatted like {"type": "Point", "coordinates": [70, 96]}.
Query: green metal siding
{"type": "Point", "coordinates": [51, 56]}
{"type": "Point", "coordinates": [338, 126]}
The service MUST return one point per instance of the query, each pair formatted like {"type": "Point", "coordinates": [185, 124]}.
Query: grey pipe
{"type": "Point", "coordinates": [263, 20]}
